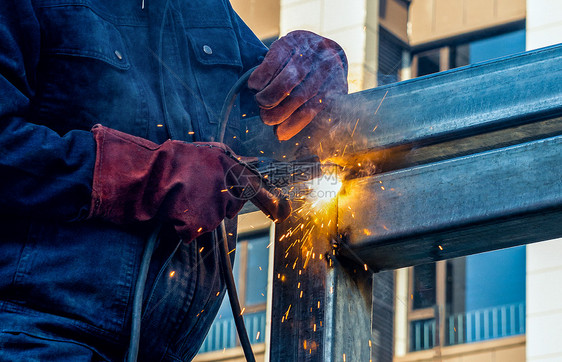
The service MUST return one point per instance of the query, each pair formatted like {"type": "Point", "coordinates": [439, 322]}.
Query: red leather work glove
{"type": "Point", "coordinates": [298, 76]}
{"type": "Point", "coordinates": [192, 185]}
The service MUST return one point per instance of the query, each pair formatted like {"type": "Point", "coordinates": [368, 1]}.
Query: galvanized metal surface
{"type": "Point", "coordinates": [321, 308]}
{"type": "Point", "coordinates": [441, 107]}
{"type": "Point", "coordinates": [505, 197]}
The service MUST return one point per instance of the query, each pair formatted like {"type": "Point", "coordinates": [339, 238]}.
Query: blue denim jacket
{"type": "Point", "coordinates": [159, 72]}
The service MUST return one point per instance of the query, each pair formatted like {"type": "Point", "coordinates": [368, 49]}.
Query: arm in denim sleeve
{"type": "Point", "coordinates": [42, 174]}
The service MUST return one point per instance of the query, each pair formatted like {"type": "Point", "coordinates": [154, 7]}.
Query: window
{"type": "Point", "coordinates": [461, 54]}
{"type": "Point", "coordinates": [469, 299]}
{"type": "Point", "coordinates": [425, 297]}
{"type": "Point", "coordinates": [389, 58]}
{"type": "Point", "coordinates": [494, 303]}
{"type": "Point", "coordinates": [250, 272]}
{"type": "Point", "coordinates": [423, 294]}
{"type": "Point", "coordinates": [428, 62]}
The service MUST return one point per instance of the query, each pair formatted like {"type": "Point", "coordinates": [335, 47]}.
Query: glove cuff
{"type": "Point", "coordinates": [121, 167]}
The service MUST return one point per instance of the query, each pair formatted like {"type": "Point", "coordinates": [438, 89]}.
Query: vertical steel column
{"type": "Point", "coordinates": [321, 305]}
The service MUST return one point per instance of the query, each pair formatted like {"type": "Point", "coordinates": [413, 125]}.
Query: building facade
{"type": "Point", "coordinates": [496, 306]}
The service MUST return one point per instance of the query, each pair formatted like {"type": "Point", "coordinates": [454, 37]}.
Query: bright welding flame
{"type": "Point", "coordinates": [323, 190]}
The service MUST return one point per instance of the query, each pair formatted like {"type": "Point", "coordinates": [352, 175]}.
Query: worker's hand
{"type": "Point", "coordinates": [192, 185]}
{"type": "Point", "coordinates": [298, 76]}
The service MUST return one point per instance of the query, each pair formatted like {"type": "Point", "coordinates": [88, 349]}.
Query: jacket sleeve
{"type": "Point", "coordinates": [42, 174]}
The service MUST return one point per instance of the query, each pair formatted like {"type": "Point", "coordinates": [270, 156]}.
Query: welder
{"type": "Point", "coordinates": [108, 111]}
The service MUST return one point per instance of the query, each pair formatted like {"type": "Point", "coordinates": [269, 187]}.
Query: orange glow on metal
{"type": "Point", "coordinates": [323, 191]}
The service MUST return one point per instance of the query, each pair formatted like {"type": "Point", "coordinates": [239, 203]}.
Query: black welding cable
{"type": "Point", "coordinates": [139, 291]}
{"type": "Point", "coordinates": [220, 233]}
{"type": "Point", "coordinates": [229, 102]}
{"type": "Point", "coordinates": [226, 267]}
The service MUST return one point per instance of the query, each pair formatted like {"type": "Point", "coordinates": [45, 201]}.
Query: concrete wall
{"type": "Point", "coordinates": [233, 355]}
{"type": "Point", "coordinates": [510, 349]}
{"type": "Point", "coordinates": [261, 16]}
{"type": "Point", "coordinates": [544, 260]}
{"type": "Point", "coordinates": [544, 23]}
{"type": "Point", "coordinates": [432, 20]}
{"type": "Point", "coordinates": [544, 301]}
{"type": "Point", "coordinates": [393, 15]}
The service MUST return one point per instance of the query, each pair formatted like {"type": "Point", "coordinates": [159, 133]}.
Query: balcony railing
{"type": "Point", "coordinates": [473, 326]}
{"type": "Point", "coordinates": [223, 332]}
{"type": "Point", "coordinates": [483, 324]}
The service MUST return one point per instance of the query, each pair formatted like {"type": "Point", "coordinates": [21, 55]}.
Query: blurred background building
{"type": "Point", "coordinates": [504, 305]}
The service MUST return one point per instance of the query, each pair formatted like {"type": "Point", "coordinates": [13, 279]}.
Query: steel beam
{"type": "Point", "coordinates": [495, 199]}
{"type": "Point", "coordinates": [472, 126]}
{"type": "Point", "coordinates": [479, 99]}
{"type": "Point", "coordinates": [460, 162]}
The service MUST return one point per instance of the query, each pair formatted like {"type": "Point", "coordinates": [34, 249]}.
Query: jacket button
{"type": "Point", "coordinates": [118, 55]}
{"type": "Point", "coordinates": [207, 49]}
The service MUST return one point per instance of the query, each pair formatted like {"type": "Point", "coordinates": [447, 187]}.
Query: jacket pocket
{"type": "Point", "coordinates": [76, 30]}
{"type": "Point", "coordinates": [216, 68]}
{"type": "Point", "coordinates": [84, 73]}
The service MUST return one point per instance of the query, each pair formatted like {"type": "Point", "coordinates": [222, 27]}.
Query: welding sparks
{"type": "Point", "coordinates": [354, 128]}
{"type": "Point", "coordinates": [323, 190]}
{"type": "Point", "coordinates": [382, 100]}
{"type": "Point", "coordinates": [287, 312]}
